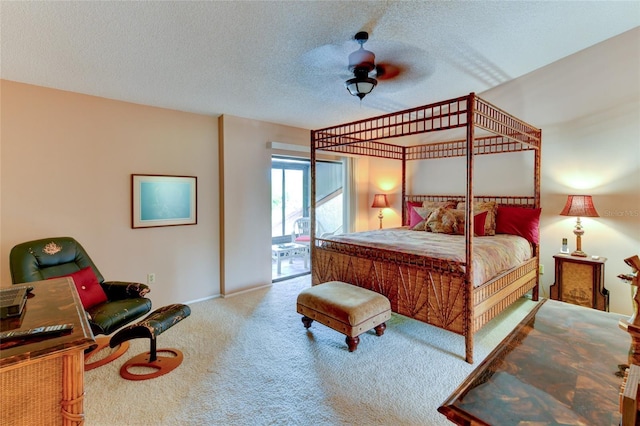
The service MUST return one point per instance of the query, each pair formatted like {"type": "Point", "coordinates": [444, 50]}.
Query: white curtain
{"type": "Point", "coordinates": [350, 199]}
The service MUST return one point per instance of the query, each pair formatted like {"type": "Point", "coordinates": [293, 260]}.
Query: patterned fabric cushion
{"type": "Point", "coordinates": [478, 222]}
{"type": "Point", "coordinates": [451, 204]}
{"type": "Point", "coordinates": [492, 210]}
{"type": "Point", "coordinates": [424, 214]}
{"type": "Point", "coordinates": [442, 221]}
{"type": "Point", "coordinates": [412, 218]}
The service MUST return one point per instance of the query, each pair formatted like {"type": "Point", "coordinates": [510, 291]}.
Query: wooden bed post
{"type": "Point", "coordinates": [468, 332]}
{"type": "Point", "coordinates": [535, 294]}
{"type": "Point", "coordinates": [312, 215]}
{"type": "Point", "coordinates": [405, 213]}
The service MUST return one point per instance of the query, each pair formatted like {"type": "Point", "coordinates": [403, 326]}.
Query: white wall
{"type": "Point", "coordinates": [66, 161]}
{"type": "Point", "coordinates": [588, 106]}
{"type": "Point", "coordinates": [245, 164]}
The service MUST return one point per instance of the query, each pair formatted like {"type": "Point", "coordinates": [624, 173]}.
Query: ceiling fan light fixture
{"type": "Point", "coordinates": [362, 58]}
{"type": "Point", "coordinates": [361, 63]}
{"type": "Point", "coordinates": [360, 86]}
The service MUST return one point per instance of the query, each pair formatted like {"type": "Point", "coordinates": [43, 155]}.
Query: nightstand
{"type": "Point", "coordinates": [580, 280]}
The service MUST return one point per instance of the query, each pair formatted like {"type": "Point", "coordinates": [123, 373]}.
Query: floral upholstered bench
{"type": "Point", "coordinates": [346, 308]}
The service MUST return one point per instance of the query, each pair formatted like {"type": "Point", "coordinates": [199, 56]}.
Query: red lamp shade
{"type": "Point", "coordinates": [579, 205]}
{"type": "Point", "coordinates": [380, 201]}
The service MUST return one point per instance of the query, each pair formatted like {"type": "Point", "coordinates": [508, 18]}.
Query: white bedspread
{"type": "Point", "coordinates": [491, 255]}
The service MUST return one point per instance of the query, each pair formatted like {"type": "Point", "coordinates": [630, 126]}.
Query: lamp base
{"type": "Point", "coordinates": [579, 253]}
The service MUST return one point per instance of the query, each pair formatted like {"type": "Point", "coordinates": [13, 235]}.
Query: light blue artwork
{"type": "Point", "coordinates": [165, 200]}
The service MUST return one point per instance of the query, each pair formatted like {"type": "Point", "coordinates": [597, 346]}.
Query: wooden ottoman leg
{"type": "Point", "coordinates": [306, 321]}
{"type": "Point", "coordinates": [103, 344]}
{"type": "Point", "coordinates": [352, 342]}
{"type": "Point", "coordinates": [380, 329]}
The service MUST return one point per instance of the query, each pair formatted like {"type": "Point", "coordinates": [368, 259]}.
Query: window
{"type": "Point", "coordinates": [289, 195]}
{"type": "Point", "coordinates": [290, 200]}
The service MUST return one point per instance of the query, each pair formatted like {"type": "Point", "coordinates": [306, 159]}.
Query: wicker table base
{"type": "Point", "coordinates": [42, 380]}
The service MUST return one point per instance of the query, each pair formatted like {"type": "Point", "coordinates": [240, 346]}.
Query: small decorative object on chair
{"type": "Point", "coordinates": [579, 206]}
{"type": "Point", "coordinates": [109, 304]}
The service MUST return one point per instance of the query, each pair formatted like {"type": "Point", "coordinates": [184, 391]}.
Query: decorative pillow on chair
{"type": "Point", "coordinates": [519, 221]}
{"type": "Point", "coordinates": [89, 289]}
{"type": "Point", "coordinates": [442, 221]}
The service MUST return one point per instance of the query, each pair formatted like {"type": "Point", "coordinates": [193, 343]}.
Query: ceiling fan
{"type": "Point", "coordinates": [395, 66]}
{"type": "Point", "coordinates": [361, 63]}
{"type": "Point", "coordinates": [366, 72]}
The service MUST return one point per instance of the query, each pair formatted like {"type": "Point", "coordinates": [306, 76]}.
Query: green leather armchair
{"type": "Point", "coordinates": [53, 257]}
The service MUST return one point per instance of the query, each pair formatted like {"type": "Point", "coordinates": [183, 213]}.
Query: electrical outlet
{"type": "Point", "coordinates": [151, 278]}
{"type": "Point", "coordinates": [541, 268]}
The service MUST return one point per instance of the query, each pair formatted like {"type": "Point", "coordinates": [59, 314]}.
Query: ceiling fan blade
{"type": "Point", "coordinates": [387, 71]}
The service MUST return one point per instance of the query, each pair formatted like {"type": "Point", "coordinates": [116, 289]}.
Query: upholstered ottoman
{"type": "Point", "coordinates": [346, 308]}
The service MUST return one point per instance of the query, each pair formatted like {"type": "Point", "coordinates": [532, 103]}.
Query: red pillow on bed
{"type": "Point", "coordinates": [519, 221]}
{"type": "Point", "coordinates": [478, 222]}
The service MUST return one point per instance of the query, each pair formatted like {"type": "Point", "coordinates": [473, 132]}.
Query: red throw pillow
{"type": "Point", "coordinates": [478, 223]}
{"type": "Point", "coordinates": [89, 289]}
{"type": "Point", "coordinates": [519, 221]}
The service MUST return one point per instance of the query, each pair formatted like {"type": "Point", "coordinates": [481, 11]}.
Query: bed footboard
{"type": "Point", "coordinates": [496, 295]}
{"type": "Point", "coordinates": [431, 295]}
{"type": "Point", "coordinates": [434, 297]}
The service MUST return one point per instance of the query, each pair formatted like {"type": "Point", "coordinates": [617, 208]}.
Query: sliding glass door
{"type": "Point", "coordinates": [290, 200]}
{"type": "Point", "coordinates": [289, 196]}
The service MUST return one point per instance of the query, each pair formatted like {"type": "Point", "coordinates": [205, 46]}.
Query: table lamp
{"type": "Point", "coordinates": [579, 206]}
{"type": "Point", "coordinates": [380, 202]}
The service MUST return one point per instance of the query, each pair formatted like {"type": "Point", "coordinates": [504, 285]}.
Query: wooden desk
{"type": "Point", "coordinates": [42, 381]}
{"type": "Point", "coordinates": [559, 366]}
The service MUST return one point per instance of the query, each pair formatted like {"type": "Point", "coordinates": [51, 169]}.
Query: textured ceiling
{"type": "Point", "coordinates": [286, 62]}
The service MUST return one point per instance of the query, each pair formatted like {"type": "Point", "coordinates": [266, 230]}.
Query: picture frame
{"type": "Point", "coordinates": [163, 200]}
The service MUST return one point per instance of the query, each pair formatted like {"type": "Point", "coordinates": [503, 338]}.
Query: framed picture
{"type": "Point", "coordinates": [158, 200]}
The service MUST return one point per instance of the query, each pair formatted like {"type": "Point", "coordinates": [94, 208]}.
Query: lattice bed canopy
{"type": "Point", "coordinates": [502, 133]}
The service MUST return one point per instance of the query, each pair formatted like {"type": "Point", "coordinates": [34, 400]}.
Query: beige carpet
{"type": "Point", "coordinates": [249, 361]}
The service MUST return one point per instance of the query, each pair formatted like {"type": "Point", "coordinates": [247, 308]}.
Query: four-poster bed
{"type": "Point", "coordinates": [437, 290]}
